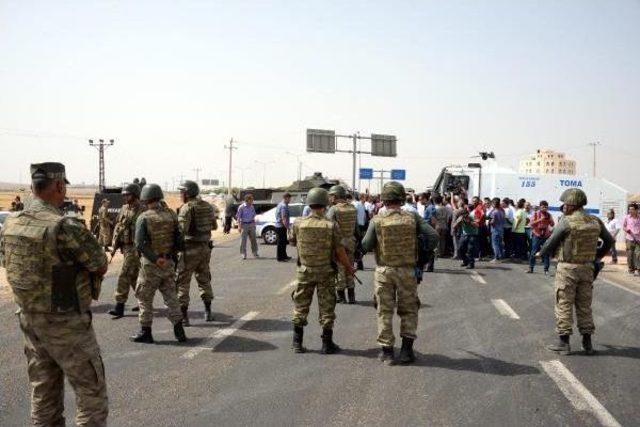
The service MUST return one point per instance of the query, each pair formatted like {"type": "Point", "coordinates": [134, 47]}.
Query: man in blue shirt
{"type": "Point", "coordinates": [282, 225]}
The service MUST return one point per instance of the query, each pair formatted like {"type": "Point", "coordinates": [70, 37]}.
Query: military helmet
{"type": "Point", "coordinates": [393, 191]}
{"type": "Point", "coordinates": [133, 189]}
{"type": "Point", "coordinates": [189, 187]}
{"type": "Point", "coordinates": [338, 191]}
{"type": "Point", "coordinates": [150, 192]}
{"type": "Point", "coordinates": [318, 196]}
{"type": "Point", "coordinates": [574, 196]}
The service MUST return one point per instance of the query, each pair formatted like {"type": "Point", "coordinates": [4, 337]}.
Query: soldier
{"type": "Point", "coordinates": [123, 239]}
{"type": "Point", "coordinates": [344, 214]}
{"type": "Point", "coordinates": [105, 224]}
{"type": "Point", "coordinates": [576, 237]}
{"type": "Point", "coordinates": [318, 241]}
{"type": "Point", "coordinates": [158, 240]}
{"type": "Point", "coordinates": [196, 218]}
{"type": "Point", "coordinates": [54, 266]}
{"type": "Point", "coordinates": [393, 234]}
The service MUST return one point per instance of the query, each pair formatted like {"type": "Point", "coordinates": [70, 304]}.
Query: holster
{"type": "Point", "coordinates": [64, 293]}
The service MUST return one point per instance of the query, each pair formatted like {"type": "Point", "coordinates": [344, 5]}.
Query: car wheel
{"type": "Point", "coordinates": [270, 236]}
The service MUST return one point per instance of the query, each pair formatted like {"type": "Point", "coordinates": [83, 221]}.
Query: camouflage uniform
{"type": "Point", "coordinates": [393, 234]}
{"type": "Point", "coordinates": [196, 219]}
{"type": "Point", "coordinates": [105, 235]}
{"type": "Point", "coordinates": [316, 239]}
{"type": "Point", "coordinates": [49, 260]}
{"type": "Point", "coordinates": [345, 215]}
{"type": "Point", "coordinates": [576, 237]}
{"type": "Point", "coordinates": [157, 236]}
{"type": "Point", "coordinates": [125, 232]}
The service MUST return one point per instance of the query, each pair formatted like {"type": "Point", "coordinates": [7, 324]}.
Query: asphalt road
{"type": "Point", "coordinates": [481, 357]}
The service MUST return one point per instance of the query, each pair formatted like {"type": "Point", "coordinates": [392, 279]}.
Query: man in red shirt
{"type": "Point", "coordinates": [541, 225]}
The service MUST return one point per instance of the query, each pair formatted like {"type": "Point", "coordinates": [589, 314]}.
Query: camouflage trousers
{"type": "Point", "coordinates": [128, 274]}
{"type": "Point", "coordinates": [323, 283]}
{"type": "Point", "coordinates": [61, 346]}
{"type": "Point", "coordinates": [194, 259]}
{"type": "Point", "coordinates": [342, 281]}
{"type": "Point", "coordinates": [396, 286]}
{"type": "Point", "coordinates": [154, 278]}
{"type": "Point", "coordinates": [574, 287]}
{"type": "Point", "coordinates": [105, 235]}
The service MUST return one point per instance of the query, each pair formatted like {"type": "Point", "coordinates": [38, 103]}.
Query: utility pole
{"type": "Point", "coordinates": [230, 147]}
{"type": "Point", "coordinates": [197, 171]}
{"type": "Point", "coordinates": [594, 145]}
{"type": "Point", "coordinates": [100, 145]}
{"type": "Point", "coordinates": [264, 169]}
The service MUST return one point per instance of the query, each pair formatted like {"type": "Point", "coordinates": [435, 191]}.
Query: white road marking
{"type": "Point", "coordinates": [478, 278]}
{"type": "Point", "coordinates": [222, 333]}
{"type": "Point", "coordinates": [504, 308]}
{"type": "Point", "coordinates": [624, 288]}
{"type": "Point", "coordinates": [285, 289]}
{"type": "Point", "coordinates": [577, 394]}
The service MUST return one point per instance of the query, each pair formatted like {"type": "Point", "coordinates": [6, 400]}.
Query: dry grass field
{"type": "Point", "coordinates": [84, 197]}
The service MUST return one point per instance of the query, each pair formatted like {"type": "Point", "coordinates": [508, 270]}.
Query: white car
{"type": "Point", "coordinates": [3, 216]}
{"type": "Point", "coordinates": [266, 222]}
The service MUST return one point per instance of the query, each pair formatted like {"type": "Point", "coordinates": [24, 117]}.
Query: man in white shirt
{"type": "Point", "coordinates": [614, 229]}
{"type": "Point", "coordinates": [408, 205]}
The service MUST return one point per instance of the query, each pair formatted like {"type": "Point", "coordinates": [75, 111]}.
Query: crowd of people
{"type": "Point", "coordinates": [498, 230]}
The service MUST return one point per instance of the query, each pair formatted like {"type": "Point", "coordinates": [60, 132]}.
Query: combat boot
{"type": "Point", "coordinates": [328, 346]}
{"type": "Point", "coordinates": [178, 331]}
{"type": "Point", "coordinates": [562, 346]}
{"type": "Point", "coordinates": [406, 352]}
{"type": "Point", "coordinates": [587, 345]}
{"type": "Point", "coordinates": [118, 311]}
{"type": "Point", "coordinates": [144, 336]}
{"type": "Point", "coordinates": [185, 315]}
{"type": "Point", "coordinates": [208, 315]}
{"type": "Point", "coordinates": [298, 334]}
{"type": "Point", "coordinates": [340, 297]}
{"type": "Point", "coordinates": [386, 356]}
{"type": "Point", "coordinates": [351, 293]}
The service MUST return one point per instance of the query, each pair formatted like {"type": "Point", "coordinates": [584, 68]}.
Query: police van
{"type": "Point", "coordinates": [493, 181]}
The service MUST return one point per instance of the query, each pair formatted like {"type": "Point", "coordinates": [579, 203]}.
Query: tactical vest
{"type": "Point", "coordinates": [127, 223]}
{"type": "Point", "coordinates": [201, 220]}
{"type": "Point", "coordinates": [161, 228]}
{"type": "Point", "coordinates": [581, 245]}
{"type": "Point", "coordinates": [314, 241]}
{"type": "Point", "coordinates": [346, 216]}
{"type": "Point", "coordinates": [41, 281]}
{"type": "Point", "coordinates": [396, 236]}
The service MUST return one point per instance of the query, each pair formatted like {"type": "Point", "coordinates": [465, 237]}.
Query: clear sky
{"type": "Point", "coordinates": [172, 82]}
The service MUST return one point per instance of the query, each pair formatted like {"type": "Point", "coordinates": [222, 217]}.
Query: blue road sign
{"type": "Point", "coordinates": [366, 173]}
{"type": "Point", "coordinates": [398, 174]}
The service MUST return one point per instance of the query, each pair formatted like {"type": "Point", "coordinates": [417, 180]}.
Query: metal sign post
{"type": "Point", "coordinates": [324, 141]}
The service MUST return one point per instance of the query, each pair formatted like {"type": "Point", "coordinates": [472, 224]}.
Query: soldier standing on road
{"type": "Point", "coordinates": [576, 237]}
{"type": "Point", "coordinates": [158, 240]}
{"type": "Point", "coordinates": [123, 239]}
{"type": "Point", "coordinates": [105, 224]}
{"type": "Point", "coordinates": [54, 266]}
{"type": "Point", "coordinates": [319, 242]}
{"type": "Point", "coordinates": [345, 214]}
{"type": "Point", "coordinates": [197, 219]}
{"type": "Point", "coordinates": [393, 234]}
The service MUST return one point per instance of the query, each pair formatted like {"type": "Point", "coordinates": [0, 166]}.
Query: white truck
{"type": "Point", "coordinates": [493, 181]}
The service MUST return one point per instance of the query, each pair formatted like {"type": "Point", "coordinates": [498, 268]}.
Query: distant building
{"type": "Point", "coordinates": [548, 162]}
